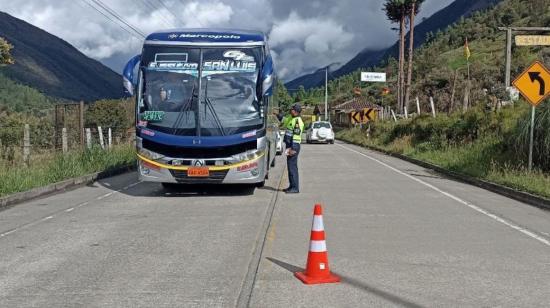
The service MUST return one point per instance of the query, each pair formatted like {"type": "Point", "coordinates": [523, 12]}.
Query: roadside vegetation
{"type": "Point", "coordinates": [46, 163]}
{"type": "Point", "coordinates": [48, 169]}
{"type": "Point", "coordinates": [486, 145]}
{"type": "Point", "coordinates": [473, 133]}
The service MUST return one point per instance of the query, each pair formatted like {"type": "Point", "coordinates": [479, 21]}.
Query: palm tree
{"type": "Point", "coordinates": [413, 8]}
{"type": "Point", "coordinates": [396, 12]}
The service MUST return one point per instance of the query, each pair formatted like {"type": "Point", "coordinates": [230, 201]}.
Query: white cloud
{"type": "Point", "coordinates": [307, 43]}
{"type": "Point", "coordinates": [206, 14]}
{"type": "Point", "coordinates": [305, 35]}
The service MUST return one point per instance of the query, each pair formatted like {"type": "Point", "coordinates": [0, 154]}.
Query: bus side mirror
{"type": "Point", "coordinates": [268, 77]}
{"type": "Point", "coordinates": [128, 75]}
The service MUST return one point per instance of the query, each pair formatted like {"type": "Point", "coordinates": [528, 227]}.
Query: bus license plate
{"type": "Point", "coordinates": [196, 172]}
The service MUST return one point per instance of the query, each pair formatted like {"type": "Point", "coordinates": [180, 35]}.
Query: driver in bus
{"type": "Point", "coordinates": [164, 102]}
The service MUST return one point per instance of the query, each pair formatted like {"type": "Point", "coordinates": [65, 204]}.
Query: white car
{"type": "Point", "coordinates": [280, 143]}
{"type": "Point", "coordinates": [320, 131]}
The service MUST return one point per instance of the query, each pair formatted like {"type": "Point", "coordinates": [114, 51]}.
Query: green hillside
{"type": "Point", "coordinates": [15, 97]}
{"type": "Point", "coordinates": [484, 141]}
{"type": "Point", "coordinates": [442, 56]}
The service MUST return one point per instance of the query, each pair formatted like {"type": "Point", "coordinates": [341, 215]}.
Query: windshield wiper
{"type": "Point", "coordinates": [210, 106]}
{"type": "Point", "coordinates": [185, 107]}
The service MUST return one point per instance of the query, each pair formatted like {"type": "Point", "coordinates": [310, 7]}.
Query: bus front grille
{"type": "Point", "coordinates": [215, 177]}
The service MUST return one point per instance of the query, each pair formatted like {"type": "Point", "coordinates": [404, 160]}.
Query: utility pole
{"type": "Point", "coordinates": [326, 94]}
{"type": "Point", "coordinates": [508, 83]}
{"type": "Point", "coordinates": [508, 79]}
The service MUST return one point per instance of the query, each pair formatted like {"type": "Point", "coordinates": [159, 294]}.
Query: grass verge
{"type": "Point", "coordinates": [57, 167]}
{"type": "Point", "coordinates": [484, 158]}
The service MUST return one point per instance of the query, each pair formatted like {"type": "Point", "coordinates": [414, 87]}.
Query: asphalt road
{"type": "Point", "coordinates": [397, 234]}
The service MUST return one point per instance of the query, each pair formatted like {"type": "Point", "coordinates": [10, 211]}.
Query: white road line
{"type": "Point", "coordinates": [9, 232]}
{"type": "Point", "coordinates": [470, 205]}
{"type": "Point", "coordinates": [83, 204]}
{"type": "Point", "coordinates": [69, 209]}
{"type": "Point", "coordinates": [131, 185]}
{"type": "Point", "coordinates": [106, 195]}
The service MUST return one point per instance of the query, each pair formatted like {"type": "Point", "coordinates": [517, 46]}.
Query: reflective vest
{"type": "Point", "coordinates": [294, 127]}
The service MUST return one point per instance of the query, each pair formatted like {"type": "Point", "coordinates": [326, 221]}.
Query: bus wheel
{"type": "Point", "coordinates": [169, 186]}
{"type": "Point", "coordinates": [260, 184]}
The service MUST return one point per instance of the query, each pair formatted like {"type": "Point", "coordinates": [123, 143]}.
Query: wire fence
{"type": "Point", "coordinates": [26, 138]}
{"type": "Point", "coordinates": [28, 143]}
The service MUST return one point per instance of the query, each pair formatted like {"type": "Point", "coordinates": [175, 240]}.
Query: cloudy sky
{"type": "Point", "coordinates": [304, 34]}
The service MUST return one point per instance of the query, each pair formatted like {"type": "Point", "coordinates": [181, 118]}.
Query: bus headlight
{"type": "Point", "coordinates": [248, 155]}
{"type": "Point", "coordinates": [150, 154]}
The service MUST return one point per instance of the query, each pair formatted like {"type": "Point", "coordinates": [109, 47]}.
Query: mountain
{"type": "Point", "coordinates": [369, 58]}
{"type": "Point", "coordinates": [314, 79]}
{"type": "Point", "coordinates": [54, 67]}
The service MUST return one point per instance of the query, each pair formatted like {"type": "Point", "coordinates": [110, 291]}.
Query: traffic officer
{"type": "Point", "coordinates": [294, 127]}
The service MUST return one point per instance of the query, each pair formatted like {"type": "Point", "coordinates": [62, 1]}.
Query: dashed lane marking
{"type": "Point", "coordinates": [67, 210]}
{"type": "Point", "coordinates": [503, 221]}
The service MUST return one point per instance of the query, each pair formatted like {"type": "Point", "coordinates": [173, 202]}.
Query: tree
{"type": "Point", "coordinates": [301, 94]}
{"type": "Point", "coordinates": [110, 114]}
{"type": "Point", "coordinates": [413, 6]}
{"type": "Point", "coordinates": [5, 55]}
{"type": "Point", "coordinates": [396, 12]}
{"type": "Point", "coordinates": [282, 98]}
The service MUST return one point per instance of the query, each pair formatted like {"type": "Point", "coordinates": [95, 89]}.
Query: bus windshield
{"type": "Point", "coordinates": [200, 91]}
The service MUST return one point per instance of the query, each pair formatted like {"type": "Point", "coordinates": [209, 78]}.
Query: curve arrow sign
{"type": "Point", "coordinates": [535, 76]}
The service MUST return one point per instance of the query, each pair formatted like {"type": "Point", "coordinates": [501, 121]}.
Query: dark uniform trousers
{"type": "Point", "coordinates": [292, 165]}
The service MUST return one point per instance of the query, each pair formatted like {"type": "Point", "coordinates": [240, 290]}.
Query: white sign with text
{"type": "Point", "coordinates": [373, 77]}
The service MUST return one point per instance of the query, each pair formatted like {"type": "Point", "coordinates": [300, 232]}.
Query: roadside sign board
{"type": "Point", "coordinates": [534, 83]}
{"type": "Point", "coordinates": [364, 116]}
{"type": "Point", "coordinates": [373, 77]}
{"type": "Point", "coordinates": [533, 40]}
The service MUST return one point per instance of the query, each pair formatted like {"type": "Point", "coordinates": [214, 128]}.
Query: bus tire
{"type": "Point", "coordinates": [260, 184]}
{"type": "Point", "coordinates": [169, 186]}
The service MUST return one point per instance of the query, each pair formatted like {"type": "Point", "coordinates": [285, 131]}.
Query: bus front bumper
{"type": "Point", "coordinates": [248, 172]}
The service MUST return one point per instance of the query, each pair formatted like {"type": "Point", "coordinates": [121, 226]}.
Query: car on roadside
{"type": "Point", "coordinates": [320, 132]}
{"type": "Point", "coordinates": [280, 144]}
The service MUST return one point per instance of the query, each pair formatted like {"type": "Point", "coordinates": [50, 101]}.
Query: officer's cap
{"type": "Point", "coordinates": [296, 107]}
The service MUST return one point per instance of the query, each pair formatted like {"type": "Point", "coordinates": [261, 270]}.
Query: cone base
{"type": "Point", "coordinates": [316, 280]}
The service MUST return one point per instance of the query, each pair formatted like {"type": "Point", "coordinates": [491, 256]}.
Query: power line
{"type": "Point", "coordinates": [111, 20]}
{"type": "Point", "coordinates": [169, 11]}
{"type": "Point", "coordinates": [148, 5]}
{"type": "Point", "coordinates": [118, 17]}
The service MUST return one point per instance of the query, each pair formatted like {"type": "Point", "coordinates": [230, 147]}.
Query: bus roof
{"type": "Point", "coordinates": [206, 37]}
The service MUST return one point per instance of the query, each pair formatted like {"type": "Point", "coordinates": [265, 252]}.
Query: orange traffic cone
{"type": "Point", "coordinates": [317, 269]}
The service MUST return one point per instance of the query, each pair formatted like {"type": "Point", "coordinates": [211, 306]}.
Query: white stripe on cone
{"type": "Point", "coordinates": [317, 246]}
{"type": "Point", "coordinates": [317, 223]}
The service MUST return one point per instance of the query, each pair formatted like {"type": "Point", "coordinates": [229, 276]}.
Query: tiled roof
{"type": "Point", "coordinates": [358, 103]}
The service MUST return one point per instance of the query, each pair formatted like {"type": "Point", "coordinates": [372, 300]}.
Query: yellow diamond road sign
{"type": "Point", "coordinates": [534, 83]}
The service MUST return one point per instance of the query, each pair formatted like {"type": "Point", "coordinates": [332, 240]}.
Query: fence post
{"type": "Point", "coordinates": [26, 144]}
{"type": "Point", "coordinates": [89, 138]}
{"type": "Point", "coordinates": [417, 105]}
{"type": "Point", "coordinates": [100, 132]}
{"type": "Point", "coordinates": [393, 115]}
{"type": "Point", "coordinates": [81, 123]}
{"type": "Point", "coordinates": [110, 144]}
{"type": "Point", "coordinates": [406, 112]}
{"type": "Point", "coordinates": [64, 143]}
{"type": "Point", "coordinates": [432, 105]}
